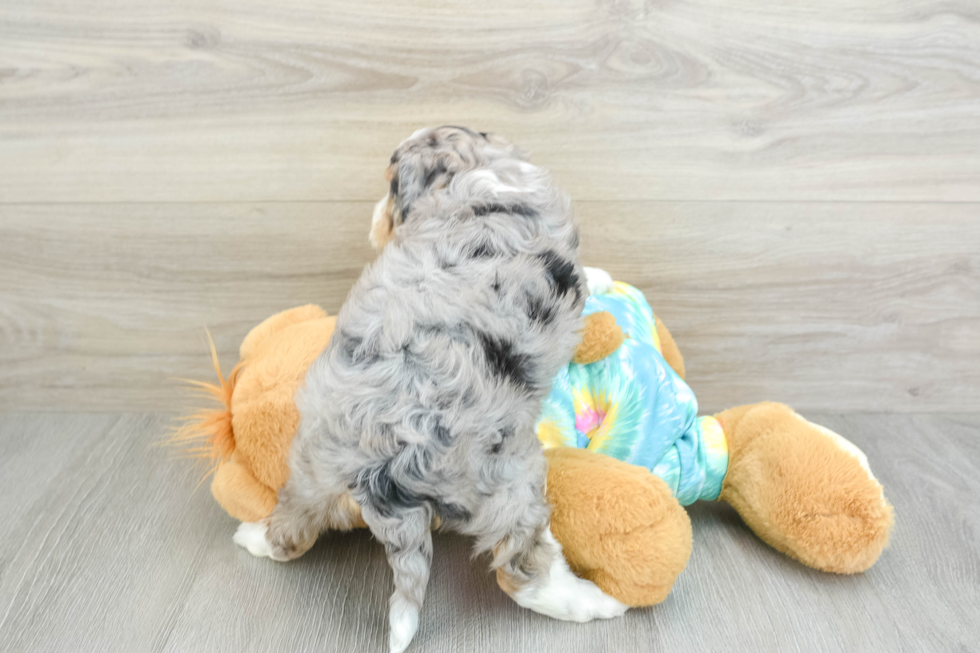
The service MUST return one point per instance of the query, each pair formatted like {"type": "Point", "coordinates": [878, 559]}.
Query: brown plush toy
{"type": "Point", "coordinates": [803, 489]}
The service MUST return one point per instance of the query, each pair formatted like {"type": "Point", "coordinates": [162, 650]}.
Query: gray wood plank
{"type": "Point", "coordinates": [97, 550]}
{"type": "Point", "coordinates": [826, 306]}
{"type": "Point", "coordinates": [110, 100]}
{"type": "Point", "coordinates": [107, 546]}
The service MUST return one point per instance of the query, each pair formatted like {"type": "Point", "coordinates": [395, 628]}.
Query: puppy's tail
{"type": "Point", "coordinates": [208, 433]}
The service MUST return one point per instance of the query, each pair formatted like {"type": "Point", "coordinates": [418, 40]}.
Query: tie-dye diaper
{"type": "Point", "coordinates": [632, 406]}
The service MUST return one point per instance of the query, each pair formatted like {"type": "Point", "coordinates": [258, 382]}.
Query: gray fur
{"type": "Point", "coordinates": [424, 403]}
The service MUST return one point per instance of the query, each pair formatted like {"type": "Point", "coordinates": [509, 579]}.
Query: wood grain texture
{"type": "Point", "coordinates": [104, 307]}
{"type": "Point", "coordinates": [115, 100]}
{"type": "Point", "coordinates": [825, 306]}
{"type": "Point", "coordinates": [107, 547]}
{"type": "Point", "coordinates": [833, 306]}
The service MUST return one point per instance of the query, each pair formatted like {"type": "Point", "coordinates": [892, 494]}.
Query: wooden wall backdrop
{"type": "Point", "coordinates": [796, 185]}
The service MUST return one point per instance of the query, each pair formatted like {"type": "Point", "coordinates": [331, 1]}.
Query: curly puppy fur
{"type": "Point", "coordinates": [423, 405]}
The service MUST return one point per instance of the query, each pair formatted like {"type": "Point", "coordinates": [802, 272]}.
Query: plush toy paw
{"type": "Point", "coordinates": [565, 596]}
{"type": "Point", "coordinates": [598, 280]}
{"type": "Point", "coordinates": [803, 489]}
{"type": "Point", "coordinates": [619, 525]}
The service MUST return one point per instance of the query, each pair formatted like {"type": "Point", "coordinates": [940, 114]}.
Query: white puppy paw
{"type": "Point", "coordinates": [403, 619]}
{"type": "Point", "coordinates": [252, 536]}
{"type": "Point", "coordinates": [598, 280]}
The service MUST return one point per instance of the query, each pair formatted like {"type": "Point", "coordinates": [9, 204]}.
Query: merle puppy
{"type": "Point", "coordinates": [422, 408]}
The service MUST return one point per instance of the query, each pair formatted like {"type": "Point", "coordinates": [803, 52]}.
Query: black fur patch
{"type": "Point", "coordinates": [496, 284]}
{"type": "Point", "coordinates": [389, 498]}
{"type": "Point", "coordinates": [561, 271]}
{"type": "Point", "coordinates": [443, 435]}
{"type": "Point", "coordinates": [393, 190]}
{"type": "Point", "coordinates": [433, 174]}
{"type": "Point", "coordinates": [504, 361]}
{"type": "Point", "coordinates": [452, 511]}
{"type": "Point", "coordinates": [523, 210]}
{"type": "Point", "coordinates": [483, 250]}
{"type": "Point", "coordinates": [385, 496]}
{"type": "Point", "coordinates": [539, 311]}
{"type": "Point", "coordinates": [504, 434]}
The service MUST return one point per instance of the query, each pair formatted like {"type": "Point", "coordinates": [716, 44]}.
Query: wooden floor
{"type": "Point", "coordinates": [106, 546]}
{"type": "Point", "coordinates": [794, 185]}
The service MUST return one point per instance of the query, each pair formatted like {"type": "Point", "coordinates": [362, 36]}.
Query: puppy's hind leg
{"type": "Point", "coordinates": [533, 571]}
{"type": "Point", "coordinates": [296, 522]}
{"type": "Point", "coordinates": [405, 533]}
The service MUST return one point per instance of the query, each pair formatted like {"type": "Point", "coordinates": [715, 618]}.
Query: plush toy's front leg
{"type": "Point", "coordinates": [803, 489]}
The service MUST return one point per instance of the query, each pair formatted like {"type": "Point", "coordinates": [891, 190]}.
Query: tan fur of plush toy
{"type": "Point", "coordinates": [619, 525]}
{"type": "Point", "coordinates": [601, 336]}
{"type": "Point", "coordinates": [800, 493]}
{"type": "Point", "coordinates": [249, 437]}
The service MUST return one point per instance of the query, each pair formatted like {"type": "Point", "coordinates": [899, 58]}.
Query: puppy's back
{"type": "Point", "coordinates": [449, 341]}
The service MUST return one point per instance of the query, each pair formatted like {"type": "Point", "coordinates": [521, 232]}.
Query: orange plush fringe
{"type": "Point", "coordinates": [208, 433]}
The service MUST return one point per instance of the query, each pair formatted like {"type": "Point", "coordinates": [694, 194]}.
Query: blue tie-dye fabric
{"type": "Point", "coordinates": [632, 406]}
